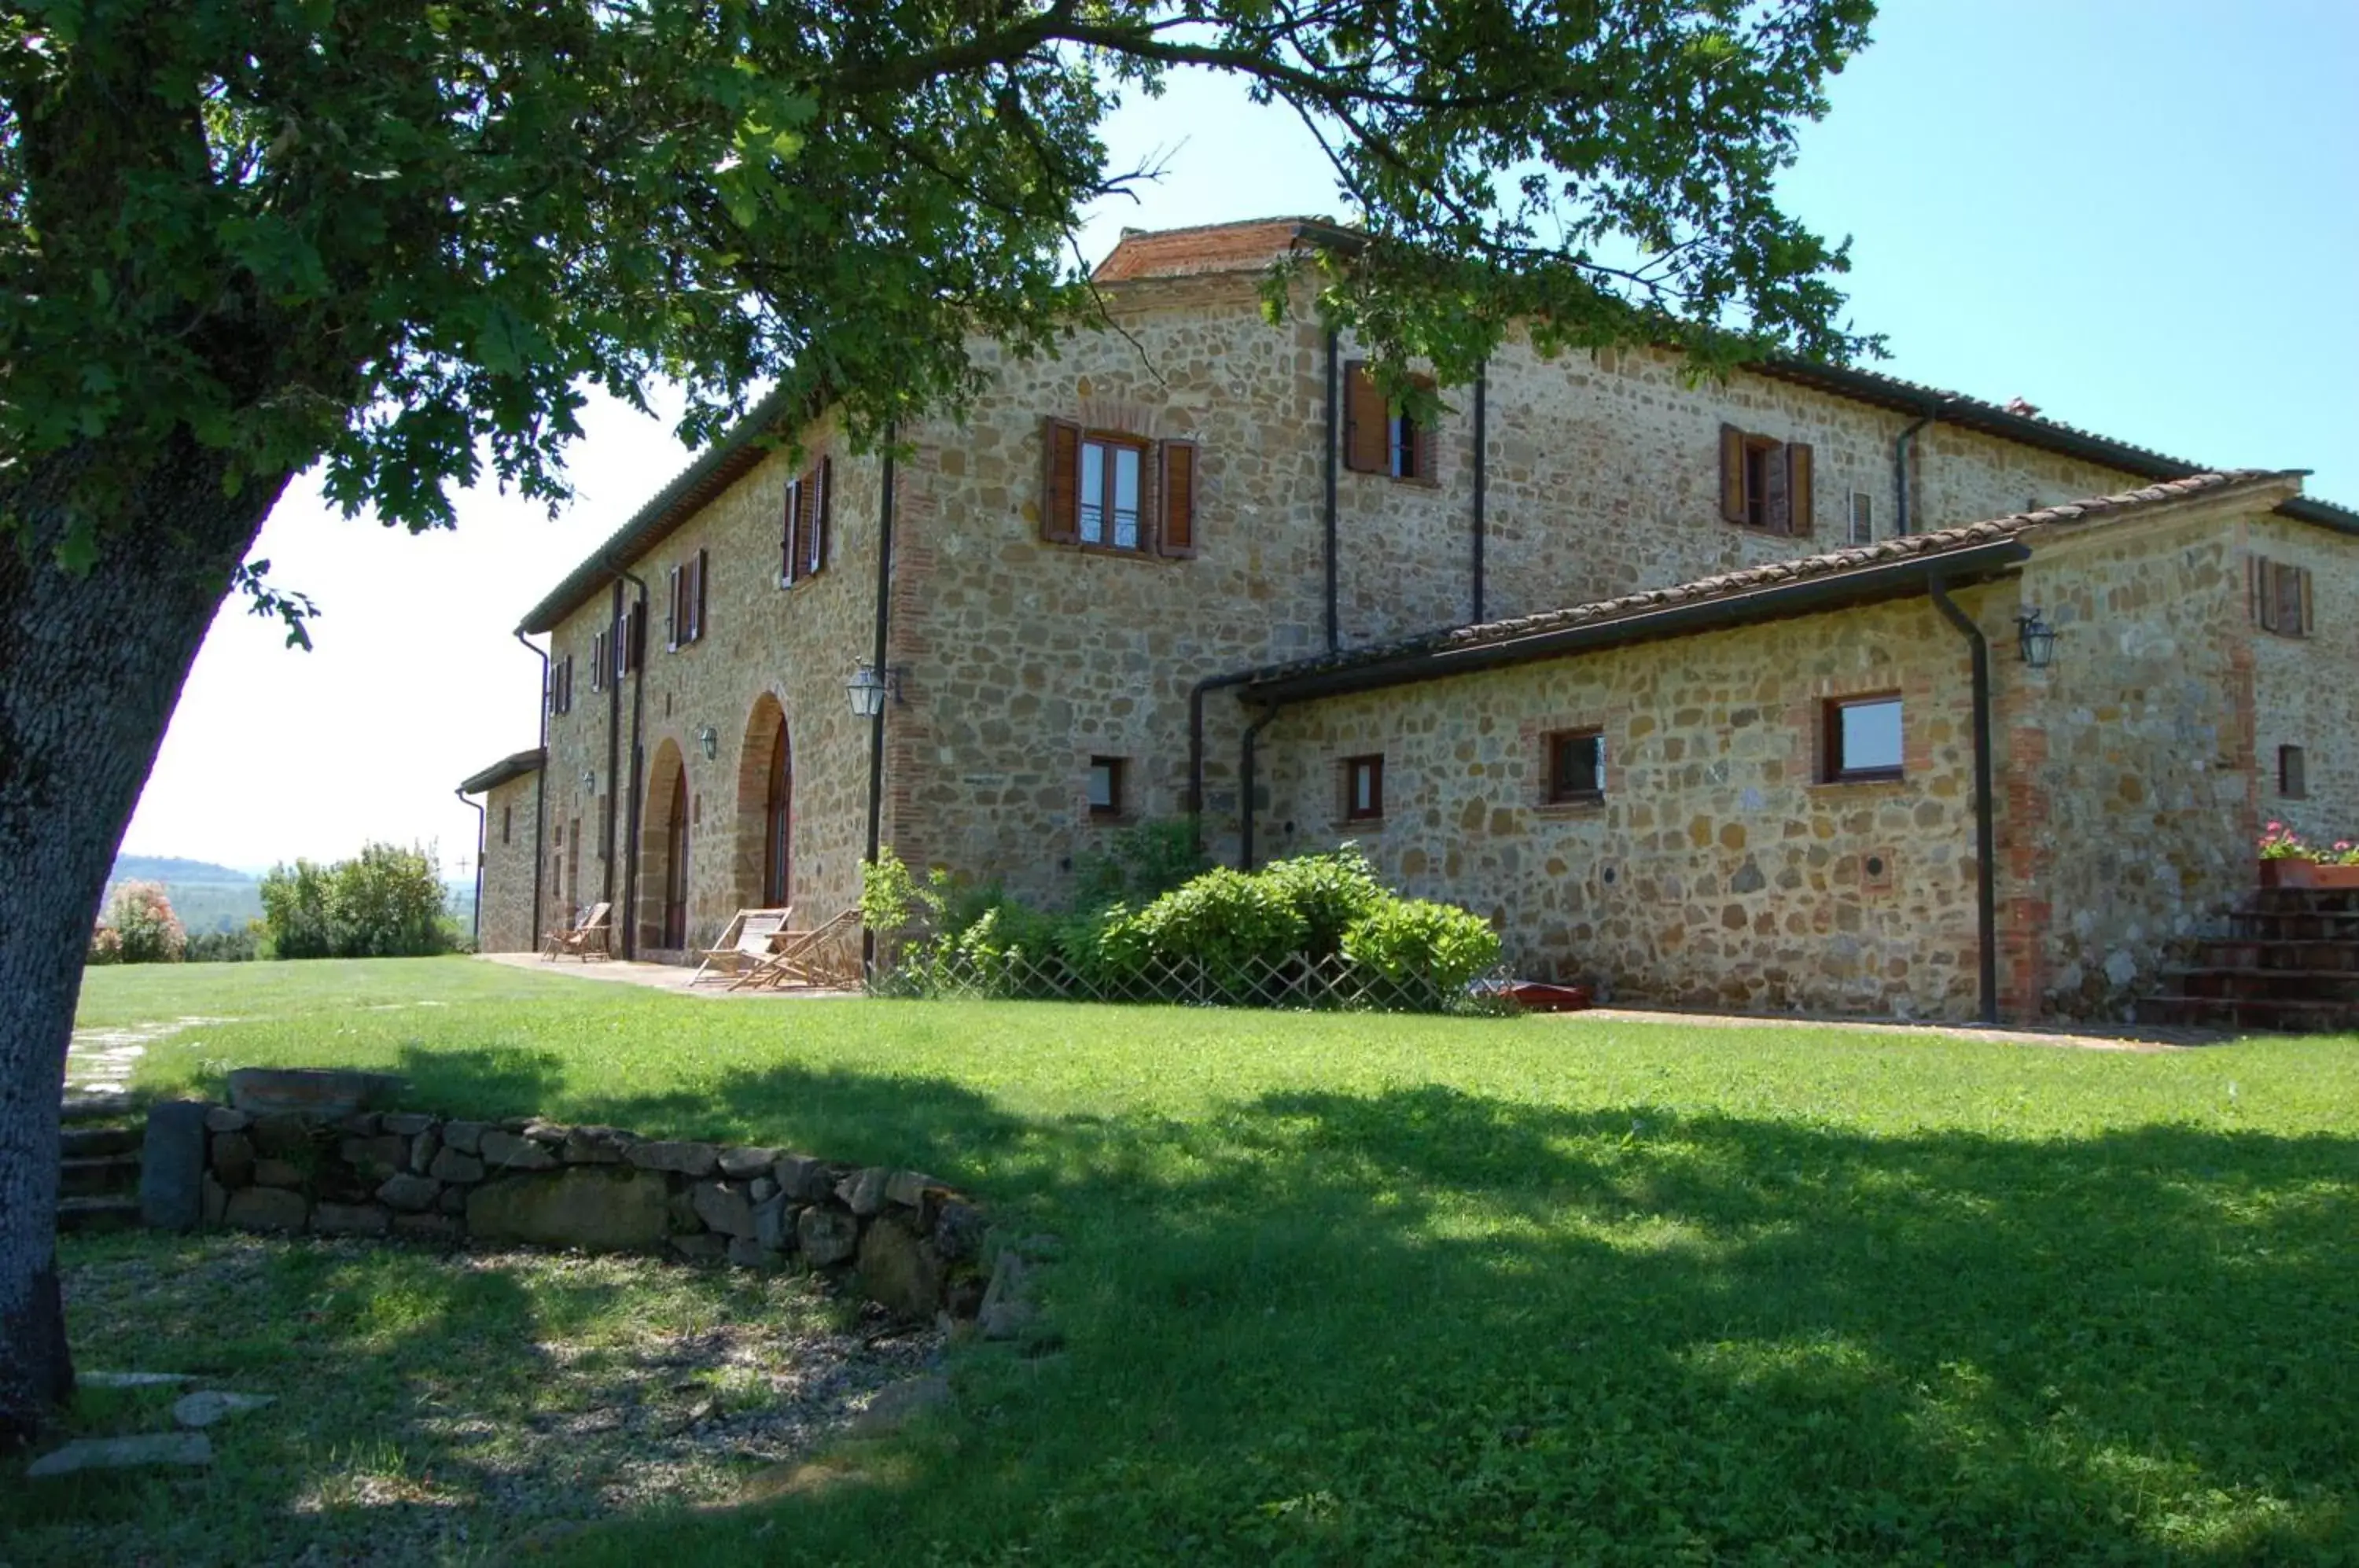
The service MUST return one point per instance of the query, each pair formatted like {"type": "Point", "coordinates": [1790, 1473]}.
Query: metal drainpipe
{"type": "Point", "coordinates": [1901, 449]}
{"type": "Point", "coordinates": [483, 835]}
{"type": "Point", "coordinates": [539, 804]}
{"type": "Point", "coordinates": [1334, 417]}
{"type": "Point", "coordinates": [877, 725]}
{"type": "Point", "coordinates": [1985, 825]}
{"type": "Point", "coordinates": [638, 709]}
{"type": "Point", "coordinates": [613, 748]}
{"type": "Point", "coordinates": [1481, 430]}
{"type": "Point", "coordinates": [1245, 779]}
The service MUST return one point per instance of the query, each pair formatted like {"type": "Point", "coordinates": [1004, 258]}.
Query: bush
{"type": "Point", "coordinates": [1240, 928]}
{"type": "Point", "coordinates": [106, 946]}
{"type": "Point", "coordinates": [241, 946]}
{"type": "Point", "coordinates": [387, 903]}
{"type": "Point", "coordinates": [146, 929]}
{"type": "Point", "coordinates": [1422, 953]}
{"type": "Point", "coordinates": [1330, 891]}
{"type": "Point", "coordinates": [1139, 864]}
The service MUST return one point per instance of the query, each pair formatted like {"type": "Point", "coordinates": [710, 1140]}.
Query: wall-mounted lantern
{"type": "Point", "coordinates": [2036, 637]}
{"type": "Point", "coordinates": [869, 687]}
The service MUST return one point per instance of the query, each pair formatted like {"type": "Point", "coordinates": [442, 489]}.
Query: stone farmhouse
{"type": "Point", "coordinates": [1810, 689]}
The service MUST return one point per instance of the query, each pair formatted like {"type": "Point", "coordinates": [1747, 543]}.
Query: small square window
{"type": "Point", "coordinates": [1105, 786]}
{"type": "Point", "coordinates": [1576, 766]}
{"type": "Point", "coordinates": [1364, 788]}
{"type": "Point", "coordinates": [1863, 739]}
{"type": "Point", "coordinates": [2293, 780]}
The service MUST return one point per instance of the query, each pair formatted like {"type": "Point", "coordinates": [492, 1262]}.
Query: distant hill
{"type": "Point", "coordinates": [164, 869]}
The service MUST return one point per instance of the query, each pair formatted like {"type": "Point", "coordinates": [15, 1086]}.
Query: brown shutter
{"type": "Point", "coordinates": [1366, 449]}
{"type": "Point", "coordinates": [2307, 625]}
{"type": "Point", "coordinates": [1798, 487]}
{"type": "Point", "coordinates": [787, 531]}
{"type": "Point", "coordinates": [1732, 474]}
{"type": "Point", "coordinates": [823, 524]}
{"type": "Point", "coordinates": [2293, 600]}
{"type": "Point", "coordinates": [635, 648]}
{"type": "Point", "coordinates": [2256, 590]}
{"type": "Point", "coordinates": [672, 618]}
{"type": "Point", "coordinates": [1060, 481]}
{"type": "Point", "coordinates": [697, 611]}
{"type": "Point", "coordinates": [1176, 535]}
{"type": "Point", "coordinates": [1777, 513]}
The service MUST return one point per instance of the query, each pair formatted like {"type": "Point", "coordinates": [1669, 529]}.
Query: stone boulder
{"type": "Point", "coordinates": [603, 1209]}
{"type": "Point", "coordinates": [828, 1236]}
{"type": "Point", "coordinates": [172, 1167]}
{"type": "Point", "coordinates": [504, 1150]}
{"type": "Point", "coordinates": [266, 1208]}
{"type": "Point", "coordinates": [898, 1269]}
{"type": "Point", "coordinates": [696, 1160]}
{"type": "Point", "coordinates": [310, 1092]}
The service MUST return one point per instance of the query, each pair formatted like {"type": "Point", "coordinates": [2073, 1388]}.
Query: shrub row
{"type": "Point", "coordinates": [385, 903]}
{"type": "Point", "coordinates": [1318, 929]}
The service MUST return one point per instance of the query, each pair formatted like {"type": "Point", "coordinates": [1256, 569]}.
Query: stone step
{"type": "Point", "coordinates": [97, 1213]}
{"type": "Point", "coordinates": [91, 1142]}
{"type": "Point", "coordinates": [95, 1108]}
{"type": "Point", "coordinates": [2275, 1015]}
{"type": "Point", "coordinates": [91, 1178]}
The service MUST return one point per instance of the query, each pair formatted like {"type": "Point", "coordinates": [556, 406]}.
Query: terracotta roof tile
{"type": "Point", "coordinates": [1248, 246]}
{"type": "Point", "coordinates": [1730, 584]}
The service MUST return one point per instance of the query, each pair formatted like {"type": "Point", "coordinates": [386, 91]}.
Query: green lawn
{"type": "Point", "coordinates": [1366, 1290]}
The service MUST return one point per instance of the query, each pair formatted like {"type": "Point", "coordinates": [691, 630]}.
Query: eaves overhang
{"type": "Point", "coordinates": [1890, 580]}
{"type": "Point", "coordinates": [520, 765]}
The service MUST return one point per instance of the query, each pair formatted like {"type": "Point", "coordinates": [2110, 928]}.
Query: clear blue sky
{"type": "Point", "coordinates": [2143, 215]}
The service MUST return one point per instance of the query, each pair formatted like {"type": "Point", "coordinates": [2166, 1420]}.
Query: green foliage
{"type": "Point", "coordinates": [145, 929]}
{"type": "Point", "coordinates": [386, 903]}
{"type": "Point", "coordinates": [401, 240]}
{"type": "Point", "coordinates": [1138, 863]}
{"type": "Point", "coordinates": [1425, 952]}
{"type": "Point", "coordinates": [241, 946]}
{"type": "Point", "coordinates": [1330, 891]}
{"type": "Point", "coordinates": [106, 946]}
{"type": "Point", "coordinates": [1237, 926]}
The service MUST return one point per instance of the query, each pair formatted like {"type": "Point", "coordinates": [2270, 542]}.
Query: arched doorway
{"type": "Point", "coordinates": [675, 883]}
{"type": "Point", "coordinates": [764, 857]}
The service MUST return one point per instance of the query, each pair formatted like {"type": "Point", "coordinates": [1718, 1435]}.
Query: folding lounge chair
{"type": "Point", "coordinates": [585, 941]}
{"type": "Point", "coordinates": [746, 940]}
{"type": "Point", "coordinates": [817, 958]}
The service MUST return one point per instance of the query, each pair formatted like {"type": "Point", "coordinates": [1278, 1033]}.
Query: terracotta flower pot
{"type": "Point", "coordinates": [2288, 873]}
{"type": "Point", "coordinates": [2338, 877]}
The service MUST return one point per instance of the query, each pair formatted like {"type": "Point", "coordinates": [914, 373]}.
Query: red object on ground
{"type": "Point", "coordinates": [1542, 997]}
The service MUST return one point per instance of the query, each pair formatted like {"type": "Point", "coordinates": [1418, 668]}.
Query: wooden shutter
{"type": "Point", "coordinates": [635, 639]}
{"type": "Point", "coordinates": [1776, 510]}
{"type": "Point", "coordinates": [823, 511]}
{"type": "Point", "coordinates": [2307, 625]}
{"type": "Point", "coordinates": [787, 531]}
{"type": "Point", "coordinates": [2257, 588]}
{"type": "Point", "coordinates": [2291, 592]}
{"type": "Point", "coordinates": [1798, 488]}
{"type": "Point", "coordinates": [1367, 441]}
{"type": "Point", "coordinates": [696, 605]}
{"type": "Point", "coordinates": [566, 684]}
{"type": "Point", "coordinates": [1060, 481]}
{"type": "Point", "coordinates": [1732, 474]}
{"type": "Point", "coordinates": [674, 622]}
{"type": "Point", "coordinates": [1177, 535]}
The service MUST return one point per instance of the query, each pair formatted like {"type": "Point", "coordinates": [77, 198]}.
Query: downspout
{"type": "Point", "coordinates": [877, 724]}
{"type": "Point", "coordinates": [1985, 825]}
{"type": "Point", "coordinates": [483, 836]}
{"type": "Point", "coordinates": [1334, 434]}
{"type": "Point", "coordinates": [539, 804]}
{"type": "Point", "coordinates": [613, 748]}
{"type": "Point", "coordinates": [1246, 777]}
{"type": "Point", "coordinates": [1901, 450]}
{"type": "Point", "coordinates": [1482, 432]}
{"type": "Point", "coordinates": [638, 710]}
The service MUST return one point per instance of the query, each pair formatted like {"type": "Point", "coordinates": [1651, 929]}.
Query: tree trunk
{"type": "Point", "coordinates": [91, 666]}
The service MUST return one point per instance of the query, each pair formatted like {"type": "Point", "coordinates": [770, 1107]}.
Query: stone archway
{"type": "Point", "coordinates": [661, 914]}
{"type": "Point", "coordinates": [764, 821]}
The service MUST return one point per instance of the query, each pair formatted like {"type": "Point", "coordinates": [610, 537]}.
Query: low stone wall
{"type": "Point", "coordinates": [916, 1245]}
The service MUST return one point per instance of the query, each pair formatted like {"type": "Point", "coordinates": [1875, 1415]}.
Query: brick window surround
{"type": "Point", "coordinates": [1363, 788]}
{"type": "Point", "coordinates": [1862, 738]}
{"type": "Point", "coordinates": [1575, 764]}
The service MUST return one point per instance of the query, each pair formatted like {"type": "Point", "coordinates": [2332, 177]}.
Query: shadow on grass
{"type": "Point", "coordinates": [1427, 1325]}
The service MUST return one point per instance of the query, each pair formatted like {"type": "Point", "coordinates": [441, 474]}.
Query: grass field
{"type": "Point", "coordinates": [1373, 1290]}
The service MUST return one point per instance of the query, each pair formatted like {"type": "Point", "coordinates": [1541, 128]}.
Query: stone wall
{"type": "Point", "coordinates": [2306, 690]}
{"type": "Point", "coordinates": [506, 920]}
{"type": "Point", "coordinates": [1717, 871]}
{"type": "Point", "coordinates": [917, 1245]}
{"type": "Point", "coordinates": [767, 652]}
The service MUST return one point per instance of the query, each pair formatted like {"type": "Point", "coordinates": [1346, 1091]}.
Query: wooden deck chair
{"type": "Point", "coordinates": [816, 958]}
{"type": "Point", "coordinates": [585, 941]}
{"type": "Point", "coordinates": [746, 940]}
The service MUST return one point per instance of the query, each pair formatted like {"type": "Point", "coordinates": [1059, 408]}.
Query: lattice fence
{"type": "Point", "coordinates": [1333, 985]}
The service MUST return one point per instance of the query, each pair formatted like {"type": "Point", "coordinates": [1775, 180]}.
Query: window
{"type": "Point", "coordinates": [1104, 490]}
{"type": "Point", "coordinates": [1381, 438]}
{"type": "Point", "coordinates": [2280, 597]}
{"type": "Point", "coordinates": [508, 821]}
{"type": "Point", "coordinates": [1364, 788]}
{"type": "Point", "coordinates": [2293, 782]}
{"type": "Point", "coordinates": [1105, 787]}
{"type": "Point", "coordinates": [684, 620]}
{"type": "Point", "coordinates": [1764, 483]}
{"type": "Point", "coordinates": [630, 638]}
{"type": "Point", "coordinates": [1576, 766]}
{"type": "Point", "coordinates": [602, 662]}
{"type": "Point", "coordinates": [1863, 739]}
{"type": "Point", "coordinates": [805, 529]}
{"type": "Point", "coordinates": [560, 685]}
{"type": "Point", "coordinates": [1863, 517]}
